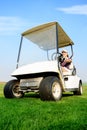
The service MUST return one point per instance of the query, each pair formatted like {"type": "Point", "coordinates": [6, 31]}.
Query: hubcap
{"type": "Point", "coordinates": [16, 90]}
{"type": "Point", "coordinates": [56, 90]}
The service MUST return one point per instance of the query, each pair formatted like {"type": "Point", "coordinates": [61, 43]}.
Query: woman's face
{"type": "Point", "coordinates": [64, 54]}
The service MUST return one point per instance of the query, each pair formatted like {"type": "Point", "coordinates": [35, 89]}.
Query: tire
{"type": "Point", "coordinates": [50, 89]}
{"type": "Point", "coordinates": [11, 89]}
{"type": "Point", "coordinates": [79, 91]}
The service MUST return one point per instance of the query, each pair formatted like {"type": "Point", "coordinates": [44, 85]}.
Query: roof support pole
{"type": "Point", "coordinates": [59, 68]}
{"type": "Point", "coordinates": [57, 48]}
{"type": "Point", "coordinates": [71, 51]}
{"type": "Point", "coordinates": [19, 52]}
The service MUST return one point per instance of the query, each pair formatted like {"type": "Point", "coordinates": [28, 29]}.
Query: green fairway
{"type": "Point", "coordinates": [30, 113]}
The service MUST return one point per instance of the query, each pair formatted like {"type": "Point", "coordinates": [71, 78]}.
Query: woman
{"type": "Point", "coordinates": [66, 61]}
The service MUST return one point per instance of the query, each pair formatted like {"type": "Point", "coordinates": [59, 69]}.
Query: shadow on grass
{"type": "Point", "coordinates": [32, 95]}
{"type": "Point", "coordinates": [36, 95]}
{"type": "Point", "coordinates": [67, 94]}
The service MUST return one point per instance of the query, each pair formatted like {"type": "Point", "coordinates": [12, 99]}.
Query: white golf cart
{"type": "Point", "coordinates": [45, 77]}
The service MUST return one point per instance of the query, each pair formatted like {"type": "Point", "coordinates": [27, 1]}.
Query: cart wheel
{"type": "Point", "coordinates": [79, 91]}
{"type": "Point", "coordinates": [11, 89]}
{"type": "Point", "coordinates": [50, 89]}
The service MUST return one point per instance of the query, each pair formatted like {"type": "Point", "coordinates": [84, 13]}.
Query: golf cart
{"type": "Point", "coordinates": [44, 77]}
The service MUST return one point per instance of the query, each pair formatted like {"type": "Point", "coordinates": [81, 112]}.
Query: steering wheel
{"type": "Point", "coordinates": [54, 56]}
{"type": "Point", "coordinates": [59, 56]}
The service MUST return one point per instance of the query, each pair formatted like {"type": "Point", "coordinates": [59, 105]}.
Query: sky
{"type": "Point", "coordinates": [16, 16]}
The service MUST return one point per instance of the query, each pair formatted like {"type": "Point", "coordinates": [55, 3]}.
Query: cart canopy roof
{"type": "Point", "coordinates": [46, 36]}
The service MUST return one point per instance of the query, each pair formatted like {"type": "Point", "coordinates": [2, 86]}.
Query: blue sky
{"type": "Point", "coordinates": [16, 16]}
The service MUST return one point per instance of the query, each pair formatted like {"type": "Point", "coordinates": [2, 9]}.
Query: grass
{"type": "Point", "coordinates": [30, 113]}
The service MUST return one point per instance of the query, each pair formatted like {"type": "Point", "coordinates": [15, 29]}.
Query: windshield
{"type": "Point", "coordinates": [31, 53]}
